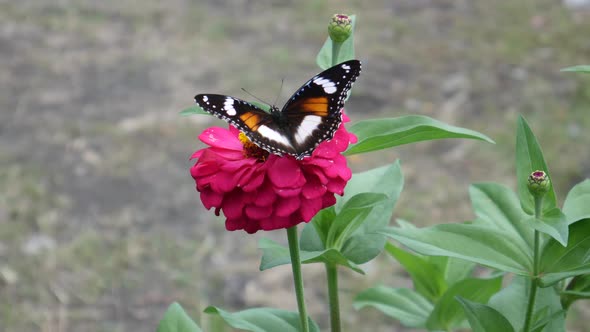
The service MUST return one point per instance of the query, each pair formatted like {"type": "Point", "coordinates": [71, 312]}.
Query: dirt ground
{"type": "Point", "coordinates": [100, 224]}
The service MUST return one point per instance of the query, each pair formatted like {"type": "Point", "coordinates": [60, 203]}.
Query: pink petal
{"type": "Point", "coordinates": [286, 206]}
{"type": "Point", "coordinates": [337, 186]}
{"type": "Point", "coordinates": [252, 226]}
{"type": "Point", "coordinates": [234, 224]}
{"type": "Point", "coordinates": [328, 200]}
{"type": "Point", "coordinates": [254, 181]}
{"type": "Point", "coordinates": [257, 212]}
{"type": "Point", "coordinates": [220, 138]}
{"type": "Point", "coordinates": [222, 182]}
{"type": "Point", "coordinates": [310, 208]}
{"type": "Point", "coordinates": [232, 205]}
{"type": "Point", "coordinates": [211, 199]}
{"type": "Point", "coordinates": [283, 192]}
{"type": "Point", "coordinates": [313, 188]}
{"type": "Point", "coordinates": [285, 172]}
{"type": "Point", "coordinates": [197, 154]}
{"type": "Point", "coordinates": [205, 168]}
{"type": "Point", "coordinates": [265, 196]}
{"type": "Point", "coordinates": [275, 222]}
{"type": "Point", "coordinates": [233, 165]}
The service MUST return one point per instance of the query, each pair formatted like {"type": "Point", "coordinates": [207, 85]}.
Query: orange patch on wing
{"type": "Point", "coordinates": [317, 106]}
{"type": "Point", "coordinates": [251, 120]}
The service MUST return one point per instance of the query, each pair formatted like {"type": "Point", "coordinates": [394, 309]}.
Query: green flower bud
{"type": "Point", "coordinates": [340, 28]}
{"type": "Point", "coordinates": [539, 183]}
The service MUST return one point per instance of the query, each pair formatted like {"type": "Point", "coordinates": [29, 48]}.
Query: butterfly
{"type": "Point", "coordinates": [312, 115]}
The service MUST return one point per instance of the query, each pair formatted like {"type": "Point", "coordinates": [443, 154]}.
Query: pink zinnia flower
{"type": "Point", "coordinates": [257, 190]}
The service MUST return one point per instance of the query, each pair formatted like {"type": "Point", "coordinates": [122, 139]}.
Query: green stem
{"type": "Point", "coordinates": [297, 279]}
{"type": "Point", "coordinates": [335, 51]}
{"type": "Point", "coordinates": [332, 273]}
{"type": "Point", "coordinates": [535, 277]}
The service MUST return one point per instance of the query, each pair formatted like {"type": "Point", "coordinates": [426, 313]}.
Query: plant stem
{"type": "Point", "coordinates": [297, 279]}
{"type": "Point", "coordinates": [535, 277]}
{"type": "Point", "coordinates": [332, 273]}
{"type": "Point", "coordinates": [335, 51]}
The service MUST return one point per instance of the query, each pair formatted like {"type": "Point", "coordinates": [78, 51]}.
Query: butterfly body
{"type": "Point", "coordinates": [312, 115]}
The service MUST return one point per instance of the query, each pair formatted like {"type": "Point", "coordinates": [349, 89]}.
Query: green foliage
{"type": "Point", "coordinates": [426, 276]}
{"type": "Point", "coordinates": [346, 234]}
{"type": "Point", "coordinates": [576, 205]}
{"type": "Point", "coordinates": [448, 312]}
{"type": "Point", "coordinates": [512, 301]}
{"type": "Point", "coordinates": [176, 320]}
{"type": "Point", "coordinates": [579, 69]}
{"type": "Point", "coordinates": [577, 289]}
{"type": "Point", "coordinates": [561, 262]}
{"type": "Point", "coordinates": [479, 244]}
{"type": "Point", "coordinates": [194, 110]}
{"type": "Point", "coordinates": [552, 223]}
{"type": "Point", "coordinates": [434, 304]}
{"type": "Point", "coordinates": [381, 134]}
{"type": "Point", "coordinates": [529, 158]}
{"type": "Point", "coordinates": [403, 304]}
{"type": "Point", "coordinates": [484, 318]}
{"type": "Point", "coordinates": [263, 320]}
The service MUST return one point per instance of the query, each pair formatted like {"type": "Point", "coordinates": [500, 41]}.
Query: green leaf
{"type": "Point", "coordinates": [363, 247]}
{"type": "Point", "coordinates": [498, 207]}
{"type": "Point", "coordinates": [475, 243]}
{"type": "Point", "coordinates": [453, 269]}
{"type": "Point", "coordinates": [381, 134]}
{"type": "Point", "coordinates": [552, 223]}
{"type": "Point", "coordinates": [310, 239]}
{"type": "Point", "coordinates": [512, 302]}
{"type": "Point", "coordinates": [578, 288]}
{"type": "Point", "coordinates": [352, 215]}
{"type": "Point", "coordinates": [529, 158]}
{"type": "Point", "coordinates": [321, 223]}
{"type": "Point", "coordinates": [403, 304]}
{"type": "Point", "coordinates": [263, 320]}
{"type": "Point", "coordinates": [364, 243]}
{"type": "Point", "coordinates": [192, 111]}
{"type": "Point", "coordinates": [448, 312]}
{"type": "Point", "coordinates": [483, 318]}
{"type": "Point", "coordinates": [579, 69]}
{"type": "Point", "coordinates": [576, 205]}
{"type": "Point", "coordinates": [427, 278]}
{"type": "Point", "coordinates": [176, 320]}
{"type": "Point", "coordinates": [263, 106]}
{"type": "Point", "coordinates": [561, 262]}
{"type": "Point", "coordinates": [273, 254]}
{"type": "Point", "coordinates": [558, 317]}
{"type": "Point", "coordinates": [324, 58]}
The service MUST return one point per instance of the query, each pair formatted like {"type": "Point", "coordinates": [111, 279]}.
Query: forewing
{"type": "Point", "coordinates": [255, 123]}
{"type": "Point", "coordinates": [314, 111]}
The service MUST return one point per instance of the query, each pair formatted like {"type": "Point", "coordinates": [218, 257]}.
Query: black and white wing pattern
{"type": "Point", "coordinates": [311, 116]}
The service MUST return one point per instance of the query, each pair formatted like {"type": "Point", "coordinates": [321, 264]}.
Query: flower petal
{"type": "Point", "coordinates": [286, 206]}
{"type": "Point", "coordinates": [257, 212]}
{"type": "Point", "coordinates": [220, 138]}
{"type": "Point", "coordinates": [285, 172]}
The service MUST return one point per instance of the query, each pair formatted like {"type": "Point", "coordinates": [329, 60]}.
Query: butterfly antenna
{"type": "Point", "coordinates": [280, 90]}
{"type": "Point", "coordinates": [260, 100]}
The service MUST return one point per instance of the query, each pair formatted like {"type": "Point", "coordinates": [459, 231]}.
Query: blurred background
{"type": "Point", "coordinates": [100, 224]}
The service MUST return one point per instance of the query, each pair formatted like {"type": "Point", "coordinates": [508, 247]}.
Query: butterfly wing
{"type": "Point", "coordinates": [314, 111]}
{"type": "Point", "coordinates": [258, 125]}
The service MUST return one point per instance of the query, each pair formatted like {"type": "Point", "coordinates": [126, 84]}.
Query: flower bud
{"type": "Point", "coordinates": [340, 28]}
{"type": "Point", "coordinates": [539, 183]}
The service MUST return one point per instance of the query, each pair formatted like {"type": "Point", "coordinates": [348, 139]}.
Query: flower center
{"type": "Point", "coordinates": [252, 150]}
